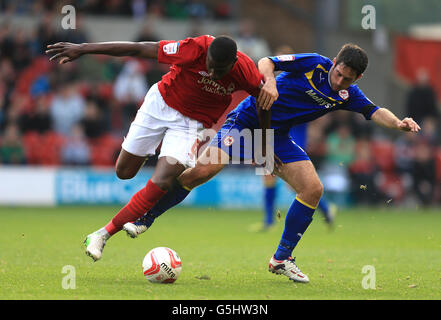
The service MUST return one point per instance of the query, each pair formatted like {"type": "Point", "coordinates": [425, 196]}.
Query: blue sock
{"type": "Point", "coordinates": [173, 197]}
{"type": "Point", "coordinates": [324, 207]}
{"type": "Point", "coordinates": [270, 196]}
{"type": "Point", "coordinates": [297, 220]}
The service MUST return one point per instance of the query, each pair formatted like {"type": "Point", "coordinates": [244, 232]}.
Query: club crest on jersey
{"type": "Point", "coordinates": [285, 57]}
{"type": "Point", "coordinates": [344, 94]}
{"type": "Point", "coordinates": [228, 141]}
{"type": "Point", "coordinates": [171, 48]}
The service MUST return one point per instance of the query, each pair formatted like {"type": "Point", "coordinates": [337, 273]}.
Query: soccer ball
{"type": "Point", "coordinates": [162, 265]}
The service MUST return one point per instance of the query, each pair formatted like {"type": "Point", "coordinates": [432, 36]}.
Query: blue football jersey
{"type": "Point", "coordinates": [305, 93]}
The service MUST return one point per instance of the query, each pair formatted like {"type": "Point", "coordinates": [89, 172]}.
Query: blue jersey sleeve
{"type": "Point", "coordinates": [358, 102]}
{"type": "Point", "coordinates": [298, 63]}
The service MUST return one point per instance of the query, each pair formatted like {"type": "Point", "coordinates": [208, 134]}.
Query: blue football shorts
{"type": "Point", "coordinates": [238, 138]}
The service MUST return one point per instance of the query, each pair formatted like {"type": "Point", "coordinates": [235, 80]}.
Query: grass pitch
{"type": "Point", "coordinates": [221, 258]}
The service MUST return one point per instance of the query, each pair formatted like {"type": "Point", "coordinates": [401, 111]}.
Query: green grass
{"type": "Point", "coordinates": [221, 258]}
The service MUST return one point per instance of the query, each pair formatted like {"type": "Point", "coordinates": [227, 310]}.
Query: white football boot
{"type": "Point", "coordinates": [288, 268]}
{"type": "Point", "coordinates": [134, 229]}
{"type": "Point", "coordinates": [95, 245]}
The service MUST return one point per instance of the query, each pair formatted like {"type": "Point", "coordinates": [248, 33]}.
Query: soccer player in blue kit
{"type": "Point", "coordinates": [309, 87]}
{"type": "Point", "coordinates": [299, 134]}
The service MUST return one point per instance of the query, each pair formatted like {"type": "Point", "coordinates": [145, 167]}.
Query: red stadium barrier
{"type": "Point", "coordinates": [413, 54]}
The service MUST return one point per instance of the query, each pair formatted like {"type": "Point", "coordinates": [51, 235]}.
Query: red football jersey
{"type": "Point", "coordinates": [187, 86]}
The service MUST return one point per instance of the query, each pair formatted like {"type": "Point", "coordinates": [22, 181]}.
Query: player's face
{"type": "Point", "coordinates": [341, 77]}
{"type": "Point", "coordinates": [217, 70]}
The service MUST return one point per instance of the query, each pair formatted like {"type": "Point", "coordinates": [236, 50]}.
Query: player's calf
{"type": "Point", "coordinates": [173, 197]}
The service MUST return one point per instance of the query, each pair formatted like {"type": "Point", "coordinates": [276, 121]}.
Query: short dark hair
{"type": "Point", "coordinates": [223, 49]}
{"type": "Point", "coordinates": [354, 57]}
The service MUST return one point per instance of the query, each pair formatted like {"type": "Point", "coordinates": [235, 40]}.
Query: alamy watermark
{"type": "Point", "coordinates": [70, 17]}
{"type": "Point", "coordinates": [370, 16]}
{"type": "Point", "coordinates": [369, 280]}
{"type": "Point", "coordinates": [69, 280]}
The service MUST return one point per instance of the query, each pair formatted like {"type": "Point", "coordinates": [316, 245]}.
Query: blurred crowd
{"type": "Point", "coordinates": [74, 114]}
{"type": "Point", "coordinates": [78, 113]}
{"type": "Point", "coordinates": [173, 9]}
{"type": "Point", "coordinates": [359, 163]}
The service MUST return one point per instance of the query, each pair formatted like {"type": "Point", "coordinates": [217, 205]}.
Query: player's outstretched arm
{"type": "Point", "coordinates": [386, 118]}
{"type": "Point", "coordinates": [66, 51]}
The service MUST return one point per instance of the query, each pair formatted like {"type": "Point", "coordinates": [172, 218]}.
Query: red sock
{"type": "Point", "coordinates": [138, 205]}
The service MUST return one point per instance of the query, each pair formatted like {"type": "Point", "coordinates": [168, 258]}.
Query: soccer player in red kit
{"type": "Point", "coordinates": [204, 72]}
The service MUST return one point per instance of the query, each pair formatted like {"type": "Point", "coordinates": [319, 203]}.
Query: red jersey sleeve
{"type": "Point", "coordinates": [249, 78]}
{"type": "Point", "coordinates": [183, 51]}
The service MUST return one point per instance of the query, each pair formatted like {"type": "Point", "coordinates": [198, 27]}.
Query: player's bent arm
{"type": "Point", "coordinates": [268, 93]}
{"type": "Point", "coordinates": [386, 118]}
{"type": "Point", "coordinates": [266, 68]}
{"type": "Point", "coordinates": [265, 124]}
{"type": "Point", "coordinates": [66, 51]}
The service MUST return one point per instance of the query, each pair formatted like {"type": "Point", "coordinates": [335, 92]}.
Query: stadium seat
{"type": "Point", "coordinates": [31, 141]}
{"type": "Point", "coordinates": [103, 150]}
{"type": "Point", "coordinates": [39, 66]}
{"type": "Point", "coordinates": [392, 186]}
{"type": "Point", "coordinates": [43, 149]}
{"type": "Point", "coordinates": [438, 164]}
{"type": "Point", "coordinates": [52, 143]}
{"type": "Point", "coordinates": [84, 89]}
{"type": "Point", "coordinates": [384, 155]}
{"type": "Point", "coordinates": [105, 90]}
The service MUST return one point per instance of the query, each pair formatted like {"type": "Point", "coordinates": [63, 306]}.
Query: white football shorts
{"type": "Point", "coordinates": [155, 121]}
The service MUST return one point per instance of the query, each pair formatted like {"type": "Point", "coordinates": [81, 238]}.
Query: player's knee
{"type": "Point", "coordinates": [164, 183]}
{"type": "Point", "coordinates": [316, 190]}
{"type": "Point", "coordinates": [124, 173]}
{"type": "Point", "coordinates": [312, 193]}
{"type": "Point", "coordinates": [204, 172]}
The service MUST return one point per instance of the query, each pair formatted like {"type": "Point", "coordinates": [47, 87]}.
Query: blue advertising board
{"type": "Point", "coordinates": [232, 188]}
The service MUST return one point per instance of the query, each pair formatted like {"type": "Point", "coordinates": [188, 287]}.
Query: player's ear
{"type": "Point", "coordinates": [359, 77]}
{"type": "Point", "coordinates": [334, 60]}
{"type": "Point", "coordinates": [233, 63]}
